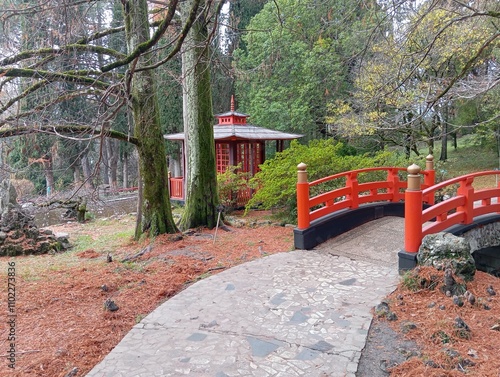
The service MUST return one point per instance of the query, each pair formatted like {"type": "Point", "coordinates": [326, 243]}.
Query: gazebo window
{"type": "Point", "coordinates": [243, 156]}
{"type": "Point", "coordinates": [222, 157]}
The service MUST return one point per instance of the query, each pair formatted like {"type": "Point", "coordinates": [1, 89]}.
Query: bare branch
{"type": "Point", "coordinates": [144, 47]}
{"type": "Point", "coordinates": [59, 51]}
{"type": "Point", "coordinates": [82, 133]}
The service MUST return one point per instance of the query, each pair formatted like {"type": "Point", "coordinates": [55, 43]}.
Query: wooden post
{"type": "Point", "coordinates": [430, 177]}
{"type": "Point", "coordinates": [413, 210]}
{"type": "Point", "coordinates": [392, 185]}
{"type": "Point", "coordinates": [352, 183]}
{"type": "Point", "coordinates": [169, 183]}
{"type": "Point", "coordinates": [467, 191]}
{"type": "Point", "coordinates": [303, 221]}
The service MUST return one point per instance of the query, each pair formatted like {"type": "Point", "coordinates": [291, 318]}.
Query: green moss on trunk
{"type": "Point", "coordinates": [201, 179]}
{"type": "Point", "coordinates": [156, 210]}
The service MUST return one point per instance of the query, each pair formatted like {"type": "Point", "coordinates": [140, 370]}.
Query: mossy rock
{"type": "Point", "coordinates": [441, 250]}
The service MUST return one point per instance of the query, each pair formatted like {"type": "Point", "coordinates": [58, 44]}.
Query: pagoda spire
{"type": "Point", "coordinates": [232, 102]}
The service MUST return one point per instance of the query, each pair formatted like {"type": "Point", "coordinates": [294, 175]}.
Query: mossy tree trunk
{"type": "Point", "coordinates": [156, 210]}
{"type": "Point", "coordinates": [201, 177]}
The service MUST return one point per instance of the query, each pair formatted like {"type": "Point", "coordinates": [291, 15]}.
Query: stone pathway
{"type": "Point", "coordinates": [299, 313]}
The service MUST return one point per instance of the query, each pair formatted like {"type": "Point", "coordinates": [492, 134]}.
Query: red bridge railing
{"type": "Point", "coordinates": [422, 215]}
{"type": "Point", "coordinates": [353, 193]}
{"type": "Point", "coordinates": [462, 208]}
{"type": "Point", "coordinates": [176, 188]}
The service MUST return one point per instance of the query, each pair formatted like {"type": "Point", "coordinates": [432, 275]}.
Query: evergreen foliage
{"type": "Point", "coordinates": [297, 57]}
{"type": "Point", "coordinates": [276, 182]}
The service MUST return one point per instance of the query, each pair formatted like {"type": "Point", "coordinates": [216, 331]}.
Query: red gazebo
{"type": "Point", "coordinates": [236, 142]}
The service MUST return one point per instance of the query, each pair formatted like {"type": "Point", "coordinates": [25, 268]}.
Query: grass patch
{"type": "Point", "coordinates": [468, 158]}
{"type": "Point", "coordinates": [99, 235]}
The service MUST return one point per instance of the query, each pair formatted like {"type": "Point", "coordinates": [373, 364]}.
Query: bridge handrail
{"type": "Point", "coordinates": [354, 173]}
{"type": "Point", "coordinates": [459, 179]}
{"type": "Point", "coordinates": [352, 190]}
{"type": "Point", "coordinates": [459, 209]}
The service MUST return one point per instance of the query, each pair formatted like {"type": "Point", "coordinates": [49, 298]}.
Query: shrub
{"type": "Point", "coordinates": [276, 182]}
{"type": "Point", "coordinates": [229, 184]}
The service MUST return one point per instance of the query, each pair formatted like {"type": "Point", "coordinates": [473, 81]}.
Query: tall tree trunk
{"type": "Point", "coordinates": [49, 175]}
{"type": "Point", "coordinates": [87, 172]}
{"type": "Point", "coordinates": [112, 153]}
{"type": "Point", "coordinates": [444, 140]}
{"type": "Point", "coordinates": [201, 177]}
{"type": "Point", "coordinates": [156, 211]}
{"type": "Point", "coordinates": [104, 166]}
{"type": "Point", "coordinates": [77, 176]}
{"type": "Point", "coordinates": [125, 170]}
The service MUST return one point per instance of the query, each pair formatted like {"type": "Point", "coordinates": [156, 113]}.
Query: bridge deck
{"type": "Point", "coordinates": [378, 241]}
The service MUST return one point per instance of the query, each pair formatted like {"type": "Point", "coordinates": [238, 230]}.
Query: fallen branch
{"type": "Point", "coordinates": [202, 276]}
{"type": "Point", "coordinates": [216, 268]}
{"type": "Point", "coordinates": [139, 254]}
{"type": "Point", "coordinates": [22, 353]}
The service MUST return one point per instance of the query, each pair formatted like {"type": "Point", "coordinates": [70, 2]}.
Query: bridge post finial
{"type": "Point", "coordinates": [301, 173]}
{"type": "Point", "coordinates": [429, 162]}
{"type": "Point", "coordinates": [413, 177]}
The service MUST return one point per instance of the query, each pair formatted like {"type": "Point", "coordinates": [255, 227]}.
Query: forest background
{"type": "Point", "coordinates": [87, 89]}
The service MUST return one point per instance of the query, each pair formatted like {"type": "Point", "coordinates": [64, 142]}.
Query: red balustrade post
{"type": "Point", "coordinates": [352, 183]}
{"type": "Point", "coordinates": [430, 177]}
{"type": "Point", "coordinates": [392, 185]}
{"type": "Point", "coordinates": [467, 191]}
{"type": "Point", "coordinates": [413, 210]}
{"type": "Point", "coordinates": [303, 220]}
{"type": "Point", "coordinates": [169, 176]}
{"type": "Point", "coordinates": [498, 186]}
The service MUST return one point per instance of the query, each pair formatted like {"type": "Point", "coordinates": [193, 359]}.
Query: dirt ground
{"type": "Point", "coordinates": [63, 329]}
{"type": "Point", "coordinates": [433, 334]}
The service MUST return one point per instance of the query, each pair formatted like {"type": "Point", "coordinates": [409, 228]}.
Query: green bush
{"type": "Point", "coordinates": [276, 182]}
{"type": "Point", "coordinates": [229, 184]}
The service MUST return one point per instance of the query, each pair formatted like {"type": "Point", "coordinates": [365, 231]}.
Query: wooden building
{"type": "Point", "coordinates": [236, 142]}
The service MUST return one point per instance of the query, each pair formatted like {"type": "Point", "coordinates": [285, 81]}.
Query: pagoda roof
{"type": "Point", "coordinates": [242, 132]}
{"type": "Point", "coordinates": [229, 113]}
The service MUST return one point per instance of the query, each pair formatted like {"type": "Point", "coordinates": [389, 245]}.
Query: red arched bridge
{"type": "Point", "coordinates": [330, 206]}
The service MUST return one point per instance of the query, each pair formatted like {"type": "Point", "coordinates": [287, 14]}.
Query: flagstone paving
{"type": "Point", "coordinates": [298, 313]}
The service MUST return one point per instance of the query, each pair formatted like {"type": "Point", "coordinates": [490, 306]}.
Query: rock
{"type": "Point", "coordinates": [8, 195]}
{"type": "Point", "coordinates": [459, 323]}
{"type": "Point", "coordinates": [472, 352]}
{"type": "Point", "coordinates": [491, 291]}
{"type": "Point", "coordinates": [391, 316]}
{"type": "Point", "coordinates": [406, 326]}
{"type": "Point", "coordinates": [462, 329]}
{"type": "Point", "coordinates": [450, 352]}
{"type": "Point", "coordinates": [19, 235]}
{"type": "Point", "coordinates": [458, 301]}
{"type": "Point", "coordinates": [110, 305]}
{"type": "Point", "coordinates": [444, 249]}
{"type": "Point", "coordinates": [72, 373]}
{"type": "Point", "coordinates": [450, 286]}
{"type": "Point", "coordinates": [432, 364]}
{"type": "Point", "coordinates": [470, 297]}
{"type": "Point", "coordinates": [382, 309]}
